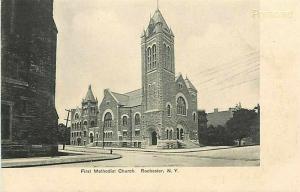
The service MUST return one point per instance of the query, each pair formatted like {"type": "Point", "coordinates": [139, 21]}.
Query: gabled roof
{"type": "Point", "coordinates": [189, 84]}
{"type": "Point", "coordinates": [135, 97]}
{"type": "Point", "coordinates": [130, 99]}
{"type": "Point", "coordinates": [89, 95]}
{"type": "Point", "coordinates": [121, 98]}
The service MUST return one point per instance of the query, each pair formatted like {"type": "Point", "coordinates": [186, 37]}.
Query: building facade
{"type": "Point", "coordinates": [28, 73]}
{"type": "Point", "coordinates": [163, 113]}
{"type": "Point", "coordinates": [221, 117]}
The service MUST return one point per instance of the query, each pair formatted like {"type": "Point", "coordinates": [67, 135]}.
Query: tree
{"type": "Point", "coordinates": [241, 124]}
{"type": "Point", "coordinates": [63, 134]}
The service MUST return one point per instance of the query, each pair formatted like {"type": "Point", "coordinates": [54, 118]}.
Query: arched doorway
{"type": "Point", "coordinates": [177, 132]}
{"type": "Point", "coordinates": [154, 138]}
{"type": "Point", "coordinates": [78, 141]}
{"type": "Point", "coordinates": [181, 134]}
{"type": "Point", "coordinates": [91, 138]}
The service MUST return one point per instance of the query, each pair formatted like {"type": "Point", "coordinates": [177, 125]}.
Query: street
{"type": "Point", "coordinates": [240, 156]}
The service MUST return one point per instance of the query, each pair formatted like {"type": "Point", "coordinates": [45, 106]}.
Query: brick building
{"type": "Point", "coordinates": [162, 113]}
{"type": "Point", "coordinates": [221, 117]}
{"type": "Point", "coordinates": [28, 68]}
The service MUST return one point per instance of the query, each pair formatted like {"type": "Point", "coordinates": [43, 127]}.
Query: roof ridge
{"type": "Point", "coordinates": [132, 91]}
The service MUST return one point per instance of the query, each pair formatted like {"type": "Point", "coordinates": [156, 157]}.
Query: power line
{"type": "Point", "coordinates": [215, 68]}
{"type": "Point", "coordinates": [214, 78]}
{"type": "Point", "coordinates": [249, 70]}
{"type": "Point", "coordinates": [232, 85]}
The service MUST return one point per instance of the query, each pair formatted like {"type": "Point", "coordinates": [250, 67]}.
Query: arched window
{"type": "Point", "coordinates": [124, 120]}
{"type": "Point", "coordinates": [85, 123]}
{"type": "Point", "coordinates": [169, 110]}
{"type": "Point", "coordinates": [137, 119]}
{"type": "Point", "coordinates": [165, 55]}
{"type": "Point", "coordinates": [76, 116]}
{"type": "Point", "coordinates": [78, 125]}
{"type": "Point", "coordinates": [167, 134]}
{"type": "Point", "coordinates": [107, 119]}
{"type": "Point", "coordinates": [181, 106]}
{"type": "Point", "coordinates": [177, 131]}
{"type": "Point", "coordinates": [92, 123]}
{"type": "Point", "coordinates": [149, 58]}
{"type": "Point", "coordinates": [154, 56]}
{"type": "Point", "coordinates": [171, 134]}
{"type": "Point", "coordinates": [194, 117]}
{"type": "Point", "coordinates": [168, 57]}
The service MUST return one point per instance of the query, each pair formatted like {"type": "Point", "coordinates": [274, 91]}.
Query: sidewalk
{"type": "Point", "coordinates": [75, 157]}
{"type": "Point", "coordinates": [153, 150]}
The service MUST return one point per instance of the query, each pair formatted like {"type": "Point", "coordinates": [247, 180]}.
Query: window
{"type": "Point", "coordinates": [85, 123]}
{"type": "Point", "coordinates": [194, 117]}
{"type": "Point", "coordinates": [168, 58]}
{"type": "Point", "coordinates": [91, 138]}
{"type": "Point", "coordinates": [170, 134]}
{"type": "Point", "coordinates": [137, 132]}
{"type": "Point", "coordinates": [169, 110]}
{"type": "Point", "coordinates": [124, 120]}
{"type": "Point", "coordinates": [92, 123]}
{"type": "Point", "coordinates": [124, 133]}
{"type": "Point", "coordinates": [165, 55]}
{"type": "Point", "coordinates": [149, 58]}
{"type": "Point", "coordinates": [84, 133]}
{"type": "Point", "coordinates": [167, 134]}
{"type": "Point", "coordinates": [137, 119]}
{"type": "Point", "coordinates": [179, 85]}
{"type": "Point", "coordinates": [76, 116]}
{"type": "Point", "coordinates": [107, 119]}
{"type": "Point", "coordinates": [154, 56]}
{"type": "Point", "coordinates": [108, 135]}
{"type": "Point", "coordinates": [181, 106]}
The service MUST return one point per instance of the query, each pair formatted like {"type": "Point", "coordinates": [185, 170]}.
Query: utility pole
{"type": "Point", "coordinates": [67, 120]}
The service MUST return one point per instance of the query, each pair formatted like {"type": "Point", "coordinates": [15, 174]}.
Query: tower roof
{"type": "Point", "coordinates": [158, 18]}
{"type": "Point", "coordinates": [155, 19]}
{"type": "Point", "coordinates": [89, 95]}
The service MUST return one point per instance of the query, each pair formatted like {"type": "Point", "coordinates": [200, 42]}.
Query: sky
{"type": "Point", "coordinates": [216, 47]}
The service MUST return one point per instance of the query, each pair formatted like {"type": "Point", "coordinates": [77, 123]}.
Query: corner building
{"type": "Point", "coordinates": [163, 113]}
{"type": "Point", "coordinates": [28, 76]}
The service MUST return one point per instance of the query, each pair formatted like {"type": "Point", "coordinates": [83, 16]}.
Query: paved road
{"type": "Point", "coordinates": [242, 156]}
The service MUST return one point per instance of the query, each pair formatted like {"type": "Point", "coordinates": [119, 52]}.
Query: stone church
{"type": "Point", "coordinates": [163, 113]}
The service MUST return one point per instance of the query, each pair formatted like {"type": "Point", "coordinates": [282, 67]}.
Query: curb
{"type": "Point", "coordinates": [158, 151]}
{"type": "Point", "coordinates": [81, 159]}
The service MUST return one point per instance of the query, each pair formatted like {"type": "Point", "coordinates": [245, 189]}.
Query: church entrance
{"type": "Point", "coordinates": [154, 138]}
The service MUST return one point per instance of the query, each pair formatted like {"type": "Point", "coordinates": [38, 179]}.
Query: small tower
{"type": "Point", "coordinates": [89, 112]}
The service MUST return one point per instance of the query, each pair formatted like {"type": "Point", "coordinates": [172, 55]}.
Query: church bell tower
{"type": "Point", "coordinates": [158, 67]}
{"type": "Point", "coordinates": [158, 77]}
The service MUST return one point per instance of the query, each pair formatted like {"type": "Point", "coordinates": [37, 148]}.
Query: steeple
{"type": "Point", "coordinates": [157, 19]}
{"type": "Point", "coordinates": [89, 95]}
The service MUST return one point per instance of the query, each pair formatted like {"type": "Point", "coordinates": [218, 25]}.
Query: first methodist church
{"type": "Point", "coordinates": [162, 114]}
